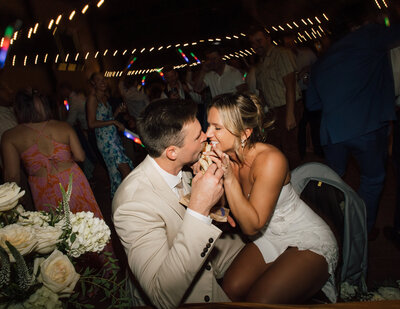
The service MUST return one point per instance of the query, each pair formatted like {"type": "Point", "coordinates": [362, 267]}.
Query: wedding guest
{"type": "Point", "coordinates": [276, 82]}
{"type": "Point", "coordinates": [293, 253]}
{"type": "Point", "coordinates": [102, 120]}
{"type": "Point", "coordinates": [48, 150]}
{"type": "Point", "coordinates": [218, 75]}
{"type": "Point", "coordinates": [352, 84]}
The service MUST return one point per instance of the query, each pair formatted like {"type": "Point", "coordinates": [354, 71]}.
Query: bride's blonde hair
{"type": "Point", "coordinates": [239, 112]}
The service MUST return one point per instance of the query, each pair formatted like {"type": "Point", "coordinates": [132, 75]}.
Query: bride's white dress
{"type": "Point", "coordinates": [295, 224]}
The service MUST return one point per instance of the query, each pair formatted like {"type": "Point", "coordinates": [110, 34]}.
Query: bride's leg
{"type": "Point", "coordinates": [245, 269]}
{"type": "Point", "coordinates": [293, 277]}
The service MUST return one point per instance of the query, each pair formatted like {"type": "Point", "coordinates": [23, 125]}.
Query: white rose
{"type": "Point", "coordinates": [43, 298]}
{"type": "Point", "coordinates": [23, 238]}
{"type": "Point", "coordinates": [58, 274]}
{"type": "Point", "coordinates": [389, 293]}
{"type": "Point", "coordinates": [9, 195]}
{"type": "Point", "coordinates": [37, 218]}
{"type": "Point", "coordinates": [47, 238]}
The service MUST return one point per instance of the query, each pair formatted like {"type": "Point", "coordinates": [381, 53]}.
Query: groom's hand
{"type": "Point", "coordinates": [207, 189]}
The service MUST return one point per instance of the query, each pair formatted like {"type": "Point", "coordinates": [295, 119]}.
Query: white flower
{"type": "Point", "coordinates": [47, 238]}
{"type": "Point", "coordinates": [92, 234]}
{"type": "Point", "coordinates": [23, 238]}
{"type": "Point", "coordinates": [389, 293]}
{"type": "Point", "coordinates": [58, 274]}
{"type": "Point", "coordinates": [10, 192]}
{"type": "Point", "coordinates": [37, 218]}
{"type": "Point", "coordinates": [43, 298]}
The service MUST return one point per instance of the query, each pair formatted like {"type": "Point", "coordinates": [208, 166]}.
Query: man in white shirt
{"type": "Point", "coordinates": [176, 254]}
{"type": "Point", "coordinates": [219, 76]}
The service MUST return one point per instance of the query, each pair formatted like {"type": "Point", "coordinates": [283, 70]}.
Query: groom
{"type": "Point", "coordinates": [175, 254]}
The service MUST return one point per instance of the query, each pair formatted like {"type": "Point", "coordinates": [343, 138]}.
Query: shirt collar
{"type": "Point", "coordinates": [170, 179]}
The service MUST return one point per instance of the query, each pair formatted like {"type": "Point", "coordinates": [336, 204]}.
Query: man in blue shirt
{"type": "Point", "coordinates": [353, 86]}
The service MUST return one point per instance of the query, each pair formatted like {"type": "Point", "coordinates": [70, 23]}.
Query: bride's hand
{"type": "Point", "coordinates": [222, 160]}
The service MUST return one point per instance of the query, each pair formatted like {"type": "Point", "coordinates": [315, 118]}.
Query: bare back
{"type": "Point", "coordinates": [44, 137]}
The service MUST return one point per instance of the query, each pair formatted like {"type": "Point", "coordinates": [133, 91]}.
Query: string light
{"type": "Point", "coordinates": [56, 60]}
{"type": "Point", "coordinates": [30, 33]}
{"type": "Point", "coordinates": [36, 59]}
{"type": "Point", "coordinates": [34, 29]}
{"type": "Point", "coordinates": [51, 24]}
{"type": "Point", "coordinates": [326, 17]}
{"type": "Point", "coordinates": [45, 58]}
{"type": "Point", "coordinates": [66, 58]}
{"type": "Point", "coordinates": [14, 59]}
{"type": "Point", "coordinates": [100, 3]}
{"type": "Point", "coordinates": [116, 51]}
{"type": "Point", "coordinates": [384, 3]}
{"type": "Point", "coordinates": [309, 20]}
{"type": "Point", "coordinates": [85, 8]}
{"type": "Point", "coordinates": [25, 60]}
{"type": "Point", "coordinates": [58, 19]}
{"type": "Point", "coordinates": [124, 52]}
{"type": "Point", "coordinates": [71, 15]}
{"type": "Point", "coordinates": [227, 37]}
{"type": "Point", "coordinates": [77, 56]}
{"type": "Point", "coordinates": [377, 4]}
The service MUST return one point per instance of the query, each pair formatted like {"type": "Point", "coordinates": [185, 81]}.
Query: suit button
{"type": "Point", "coordinates": [205, 250]}
{"type": "Point", "coordinates": [208, 245]}
{"type": "Point", "coordinates": [211, 240]}
{"type": "Point", "coordinates": [208, 267]}
{"type": "Point", "coordinates": [202, 254]}
{"type": "Point", "coordinates": [207, 298]}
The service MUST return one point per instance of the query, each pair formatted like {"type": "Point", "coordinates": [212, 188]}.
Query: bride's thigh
{"type": "Point", "coordinates": [293, 277]}
{"type": "Point", "coordinates": [245, 269]}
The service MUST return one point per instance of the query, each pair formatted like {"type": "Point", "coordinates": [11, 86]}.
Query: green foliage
{"type": "Point", "coordinates": [8, 217]}
{"type": "Point", "coordinates": [20, 283]}
{"type": "Point", "coordinates": [106, 284]}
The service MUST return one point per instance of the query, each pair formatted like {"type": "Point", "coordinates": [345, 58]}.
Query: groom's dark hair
{"type": "Point", "coordinates": [160, 124]}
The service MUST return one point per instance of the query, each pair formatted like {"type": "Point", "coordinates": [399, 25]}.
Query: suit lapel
{"type": "Point", "coordinates": [161, 188]}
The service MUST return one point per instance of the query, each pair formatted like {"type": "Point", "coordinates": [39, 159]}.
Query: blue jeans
{"type": "Point", "coordinates": [370, 152]}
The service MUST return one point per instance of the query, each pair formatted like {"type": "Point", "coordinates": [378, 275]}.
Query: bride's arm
{"type": "Point", "coordinates": [269, 173]}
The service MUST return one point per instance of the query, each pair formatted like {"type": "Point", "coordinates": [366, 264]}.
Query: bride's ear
{"type": "Point", "coordinates": [246, 134]}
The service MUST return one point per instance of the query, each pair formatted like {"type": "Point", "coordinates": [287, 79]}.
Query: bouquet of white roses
{"type": "Point", "coordinates": [38, 249]}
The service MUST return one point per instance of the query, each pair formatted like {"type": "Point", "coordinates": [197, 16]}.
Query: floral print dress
{"type": "Point", "coordinates": [110, 146]}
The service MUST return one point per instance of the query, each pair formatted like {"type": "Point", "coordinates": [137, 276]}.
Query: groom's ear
{"type": "Point", "coordinates": [171, 153]}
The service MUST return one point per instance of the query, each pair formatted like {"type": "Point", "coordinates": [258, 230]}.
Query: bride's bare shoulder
{"type": "Point", "coordinates": [270, 157]}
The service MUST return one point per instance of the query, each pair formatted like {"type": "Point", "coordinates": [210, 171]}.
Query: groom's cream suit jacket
{"type": "Point", "coordinates": [175, 257]}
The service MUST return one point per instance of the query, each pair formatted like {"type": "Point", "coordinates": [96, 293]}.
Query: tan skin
{"type": "Point", "coordinates": [18, 139]}
{"type": "Point", "coordinates": [99, 95]}
{"type": "Point", "coordinates": [252, 189]}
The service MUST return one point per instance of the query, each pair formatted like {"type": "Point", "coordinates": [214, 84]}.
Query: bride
{"type": "Point", "coordinates": [293, 253]}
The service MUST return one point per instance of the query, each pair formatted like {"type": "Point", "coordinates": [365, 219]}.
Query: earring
{"type": "Point", "coordinates": [243, 143]}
